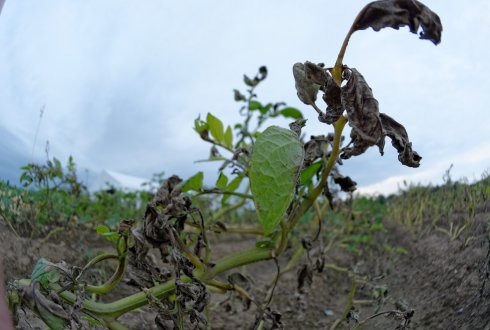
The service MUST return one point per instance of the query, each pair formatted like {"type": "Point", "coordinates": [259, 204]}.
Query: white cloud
{"type": "Point", "coordinates": [470, 165]}
{"type": "Point", "coordinates": [122, 81]}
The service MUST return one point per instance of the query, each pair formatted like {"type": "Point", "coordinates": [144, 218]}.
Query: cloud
{"type": "Point", "coordinates": [468, 165]}
{"type": "Point", "coordinates": [13, 153]}
{"type": "Point", "coordinates": [122, 82]}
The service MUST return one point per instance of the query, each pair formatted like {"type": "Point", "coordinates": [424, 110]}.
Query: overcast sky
{"type": "Point", "coordinates": [122, 81]}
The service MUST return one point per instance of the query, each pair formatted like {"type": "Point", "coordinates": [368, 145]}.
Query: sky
{"type": "Point", "coordinates": [120, 82]}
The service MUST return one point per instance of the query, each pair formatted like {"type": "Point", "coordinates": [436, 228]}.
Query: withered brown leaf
{"type": "Point", "coordinates": [369, 126]}
{"type": "Point", "coordinates": [333, 99]}
{"type": "Point", "coordinates": [363, 113]}
{"type": "Point", "coordinates": [397, 13]}
{"type": "Point", "coordinates": [399, 140]}
{"type": "Point", "coordinates": [306, 85]}
{"type": "Point", "coordinates": [345, 182]}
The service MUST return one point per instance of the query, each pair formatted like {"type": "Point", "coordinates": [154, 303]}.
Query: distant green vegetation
{"type": "Point", "coordinates": [52, 195]}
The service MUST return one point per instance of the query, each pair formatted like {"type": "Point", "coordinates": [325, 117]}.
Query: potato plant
{"type": "Point", "coordinates": [284, 176]}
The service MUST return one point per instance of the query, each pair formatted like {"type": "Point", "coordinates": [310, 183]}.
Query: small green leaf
{"type": "Point", "coordinates": [215, 127]}
{"type": "Point", "coordinates": [291, 113]}
{"type": "Point", "coordinates": [106, 232]}
{"type": "Point", "coordinates": [274, 169]}
{"type": "Point", "coordinates": [235, 183]}
{"type": "Point", "coordinates": [194, 183]}
{"type": "Point", "coordinates": [254, 105]}
{"type": "Point", "coordinates": [222, 181]}
{"type": "Point", "coordinates": [308, 173]}
{"type": "Point", "coordinates": [232, 186]}
{"type": "Point", "coordinates": [200, 126]}
{"type": "Point", "coordinates": [228, 137]}
{"type": "Point", "coordinates": [101, 229]}
{"type": "Point", "coordinates": [265, 109]}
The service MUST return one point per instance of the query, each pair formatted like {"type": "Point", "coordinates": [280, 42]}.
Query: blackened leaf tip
{"type": "Point", "coordinates": [397, 13]}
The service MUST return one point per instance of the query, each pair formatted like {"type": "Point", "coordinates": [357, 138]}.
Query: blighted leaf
{"type": "Point", "coordinates": [362, 108]}
{"type": "Point", "coordinates": [194, 183]}
{"type": "Point", "coordinates": [240, 280]}
{"type": "Point", "coordinates": [215, 127]}
{"type": "Point", "coordinates": [297, 125]}
{"type": "Point", "coordinates": [238, 96]}
{"type": "Point", "coordinates": [305, 277]}
{"type": "Point", "coordinates": [228, 138]}
{"type": "Point", "coordinates": [345, 182]}
{"type": "Point", "coordinates": [262, 73]}
{"type": "Point", "coordinates": [52, 314]}
{"type": "Point", "coordinates": [399, 140]}
{"type": "Point", "coordinates": [333, 99]}
{"type": "Point", "coordinates": [307, 89]}
{"type": "Point", "coordinates": [249, 82]}
{"type": "Point", "coordinates": [397, 13]}
{"type": "Point", "coordinates": [316, 73]}
{"type": "Point", "coordinates": [274, 168]}
{"type": "Point", "coordinates": [315, 148]}
{"type": "Point", "coordinates": [362, 111]}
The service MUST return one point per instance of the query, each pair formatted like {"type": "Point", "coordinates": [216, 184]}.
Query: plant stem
{"type": "Point", "coordinates": [224, 192]}
{"type": "Point", "coordinates": [348, 307]}
{"type": "Point", "coordinates": [313, 195]}
{"type": "Point", "coordinates": [127, 304]}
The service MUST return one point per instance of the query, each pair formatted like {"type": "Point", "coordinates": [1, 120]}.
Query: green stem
{"type": "Point", "coordinates": [97, 259]}
{"type": "Point", "coordinates": [54, 231]}
{"type": "Point", "coordinates": [122, 248]}
{"type": "Point", "coordinates": [313, 195]}
{"type": "Point", "coordinates": [238, 259]}
{"type": "Point", "coordinates": [348, 307]}
{"type": "Point", "coordinates": [224, 192]}
{"type": "Point", "coordinates": [337, 69]}
{"type": "Point", "coordinates": [127, 304]}
{"type": "Point", "coordinates": [218, 214]}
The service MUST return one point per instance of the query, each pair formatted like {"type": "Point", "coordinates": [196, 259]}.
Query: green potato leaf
{"type": "Point", "coordinates": [274, 168]}
{"type": "Point", "coordinates": [228, 137]}
{"type": "Point", "coordinates": [222, 181]}
{"type": "Point", "coordinates": [194, 183]}
{"type": "Point", "coordinates": [291, 113]}
{"type": "Point", "coordinates": [215, 127]}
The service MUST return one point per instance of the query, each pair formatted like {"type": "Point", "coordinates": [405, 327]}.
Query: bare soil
{"type": "Point", "coordinates": [446, 283]}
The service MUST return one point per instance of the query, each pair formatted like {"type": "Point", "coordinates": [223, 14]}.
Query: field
{"type": "Point", "coordinates": [425, 250]}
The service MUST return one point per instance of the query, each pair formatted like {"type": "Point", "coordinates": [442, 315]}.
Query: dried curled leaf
{"type": "Point", "coordinates": [333, 99]}
{"type": "Point", "coordinates": [397, 13]}
{"type": "Point", "coordinates": [399, 140]}
{"type": "Point", "coordinates": [345, 182]}
{"type": "Point", "coordinates": [369, 126]}
{"type": "Point", "coordinates": [168, 209]}
{"type": "Point", "coordinates": [362, 108]}
{"type": "Point", "coordinates": [305, 277]}
{"type": "Point", "coordinates": [306, 87]}
{"type": "Point", "coordinates": [362, 111]}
